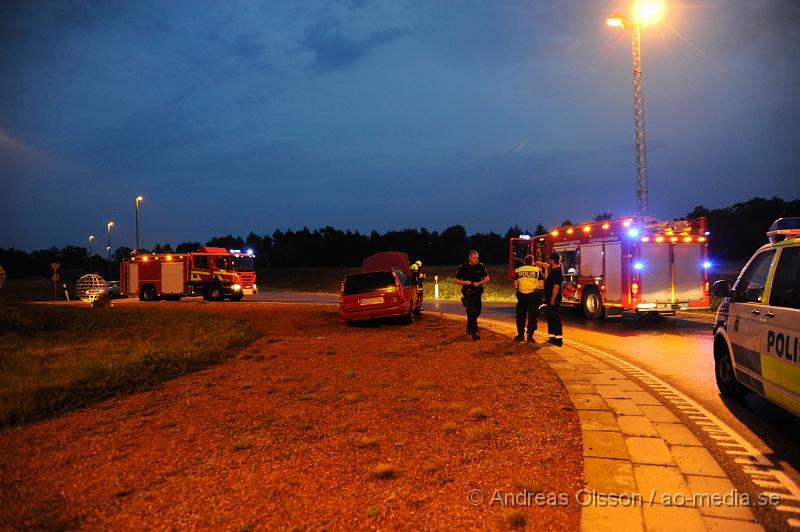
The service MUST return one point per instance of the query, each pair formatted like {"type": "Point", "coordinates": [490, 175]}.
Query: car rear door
{"type": "Point", "coordinates": [782, 324]}
{"type": "Point", "coordinates": [746, 323]}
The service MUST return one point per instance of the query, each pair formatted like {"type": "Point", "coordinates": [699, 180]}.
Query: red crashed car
{"type": "Point", "coordinates": [383, 289]}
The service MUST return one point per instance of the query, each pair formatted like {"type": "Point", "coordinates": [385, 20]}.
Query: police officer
{"type": "Point", "coordinates": [472, 276]}
{"type": "Point", "coordinates": [552, 295]}
{"type": "Point", "coordinates": [529, 296]}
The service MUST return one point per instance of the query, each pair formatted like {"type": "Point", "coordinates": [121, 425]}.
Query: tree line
{"type": "Point", "coordinates": [735, 232]}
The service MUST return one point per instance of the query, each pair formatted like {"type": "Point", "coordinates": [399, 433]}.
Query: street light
{"type": "Point", "coordinates": [108, 226]}
{"type": "Point", "coordinates": [645, 13]}
{"type": "Point", "coordinates": [91, 237]}
{"type": "Point", "coordinates": [138, 199]}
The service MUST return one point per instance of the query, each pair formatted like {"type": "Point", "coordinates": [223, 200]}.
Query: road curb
{"type": "Point", "coordinates": [644, 468]}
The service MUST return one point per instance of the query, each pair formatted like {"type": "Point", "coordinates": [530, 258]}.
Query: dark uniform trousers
{"type": "Point", "coordinates": [472, 304]}
{"type": "Point", "coordinates": [554, 329]}
{"type": "Point", "coordinates": [528, 308]}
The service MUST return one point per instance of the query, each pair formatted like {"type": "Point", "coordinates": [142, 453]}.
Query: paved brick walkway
{"type": "Point", "coordinates": [638, 456]}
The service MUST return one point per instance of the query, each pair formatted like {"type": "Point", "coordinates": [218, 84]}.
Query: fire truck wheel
{"type": "Point", "coordinates": [214, 293]}
{"type": "Point", "coordinates": [592, 304]}
{"type": "Point", "coordinates": [148, 293]}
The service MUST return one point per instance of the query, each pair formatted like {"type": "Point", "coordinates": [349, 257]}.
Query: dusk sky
{"type": "Point", "coordinates": [230, 117]}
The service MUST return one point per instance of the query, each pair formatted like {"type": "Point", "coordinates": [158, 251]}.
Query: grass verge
{"type": "Point", "coordinates": [54, 359]}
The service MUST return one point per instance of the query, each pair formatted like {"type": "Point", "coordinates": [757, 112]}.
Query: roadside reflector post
{"type": "Point", "coordinates": [436, 287]}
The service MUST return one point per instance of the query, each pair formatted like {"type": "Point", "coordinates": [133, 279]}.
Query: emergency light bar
{"type": "Point", "coordinates": [783, 227]}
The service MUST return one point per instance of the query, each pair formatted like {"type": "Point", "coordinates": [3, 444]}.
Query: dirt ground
{"type": "Point", "coordinates": [315, 425]}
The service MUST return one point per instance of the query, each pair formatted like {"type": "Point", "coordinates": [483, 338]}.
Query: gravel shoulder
{"type": "Point", "coordinates": [314, 425]}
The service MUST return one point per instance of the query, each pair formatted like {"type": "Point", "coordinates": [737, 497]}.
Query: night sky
{"type": "Point", "coordinates": [237, 116]}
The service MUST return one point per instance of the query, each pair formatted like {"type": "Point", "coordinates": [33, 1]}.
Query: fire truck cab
{"type": "Point", "coordinates": [208, 272]}
{"type": "Point", "coordinates": [244, 264]}
{"type": "Point", "coordinates": [638, 264]}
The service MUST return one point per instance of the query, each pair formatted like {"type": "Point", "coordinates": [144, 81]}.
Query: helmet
{"type": "Point", "coordinates": [414, 267]}
{"type": "Point", "coordinates": [418, 264]}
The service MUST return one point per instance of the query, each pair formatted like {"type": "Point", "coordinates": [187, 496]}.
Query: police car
{"type": "Point", "coordinates": [756, 333]}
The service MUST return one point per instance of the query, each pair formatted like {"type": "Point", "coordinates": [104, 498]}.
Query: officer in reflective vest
{"type": "Point", "coordinates": [527, 279]}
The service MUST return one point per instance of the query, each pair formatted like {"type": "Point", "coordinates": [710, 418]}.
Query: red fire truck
{"type": "Point", "coordinates": [208, 272]}
{"type": "Point", "coordinates": [637, 264]}
{"type": "Point", "coordinates": [244, 264]}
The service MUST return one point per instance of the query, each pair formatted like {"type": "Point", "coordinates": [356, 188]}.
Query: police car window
{"type": "Point", "coordinates": [786, 285]}
{"type": "Point", "coordinates": [201, 261]}
{"type": "Point", "coordinates": [750, 287]}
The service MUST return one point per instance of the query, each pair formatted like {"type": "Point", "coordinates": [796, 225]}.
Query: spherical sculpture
{"type": "Point", "coordinates": [91, 288]}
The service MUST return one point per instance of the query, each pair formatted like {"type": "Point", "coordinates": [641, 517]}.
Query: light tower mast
{"type": "Point", "coordinates": [644, 12]}
{"type": "Point", "coordinates": [642, 204]}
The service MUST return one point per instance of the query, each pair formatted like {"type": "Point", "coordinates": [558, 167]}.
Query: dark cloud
{"type": "Point", "coordinates": [245, 46]}
{"type": "Point", "coordinates": [333, 51]}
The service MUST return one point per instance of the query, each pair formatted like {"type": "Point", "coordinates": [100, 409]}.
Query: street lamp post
{"type": "Point", "coordinates": [108, 226]}
{"type": "Point", "coordinates": [645, 12]}
{"type": "Point", "coordinates": [91, 237]}
{"type": "Point", "coordinates": [138, 199]}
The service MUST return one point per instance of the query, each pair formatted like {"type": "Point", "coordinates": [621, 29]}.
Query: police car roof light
{"type": "Point", "coordinates": [783, 227]}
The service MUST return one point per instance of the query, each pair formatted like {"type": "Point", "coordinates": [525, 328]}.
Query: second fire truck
{"type": "Point", "coordinates": [209, 272]}
{"type": "Point", "coordinates": [637, 264]}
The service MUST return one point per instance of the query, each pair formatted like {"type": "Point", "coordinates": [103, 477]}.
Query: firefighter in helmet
{"type": "Point", "coordinates": [418, 277]}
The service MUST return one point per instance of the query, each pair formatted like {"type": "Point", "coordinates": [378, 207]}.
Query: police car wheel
{"type": "Point", "coordinates": [726, 378]}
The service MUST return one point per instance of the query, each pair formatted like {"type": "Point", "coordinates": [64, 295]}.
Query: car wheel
{"type": "Point", "coordinates": [592, 304]}
{"type": "Point", "coordinates": [409, 319]}
{"type": "Point", "coordinates": [723, 370]}
{"type": "Point", "coordinates": [214, 293]}
{"type": "Point", "coordinates": [148, 293]}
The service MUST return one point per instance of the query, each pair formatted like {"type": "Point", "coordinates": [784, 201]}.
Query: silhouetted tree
{"type": "Point", "coordinates": [187, 247]}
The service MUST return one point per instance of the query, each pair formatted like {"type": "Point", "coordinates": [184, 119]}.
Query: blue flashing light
{"type": "Point", "coordinates": [706, 265]}
{"type": "Point", "coordinates": [249, 251]}
{"type": "Point", "coordinates": [633, 232]}
{"type": "Point", "coordinates": [638, 266]}
{"type": "Point", "coordinates": [525, 237]}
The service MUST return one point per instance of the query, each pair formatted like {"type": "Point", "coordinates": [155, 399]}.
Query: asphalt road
{"type": "Point", "coordinates": [677, 350]}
